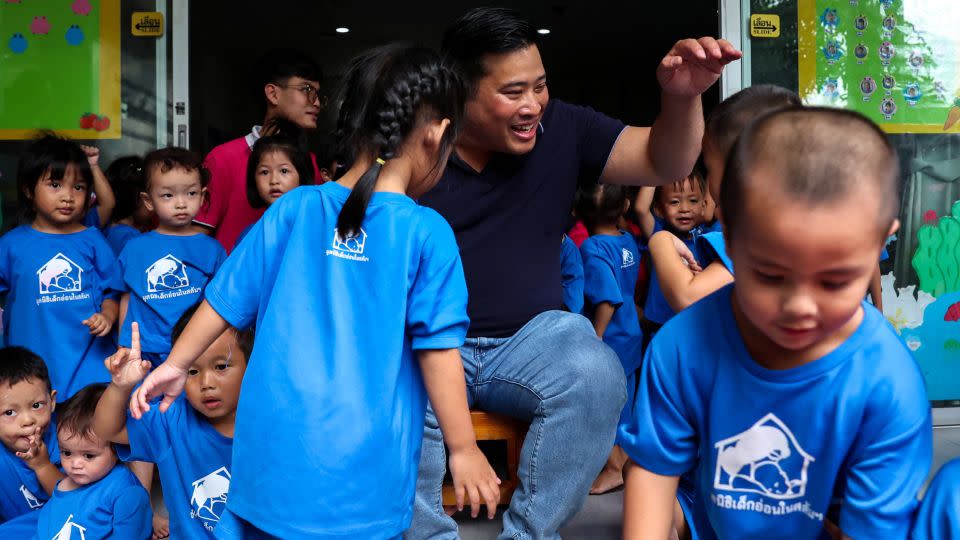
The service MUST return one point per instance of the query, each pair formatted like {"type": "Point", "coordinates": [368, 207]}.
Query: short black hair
{"type": "Point", "coordinates": [244, 337]}
{"type": "Point", "coordinates": [600, 204]}
{"type": "Point", "coordinates": [166, 159]}
{"type": "Point", "coordinates": [731, 116]}
{"type": "Point", "coordinates": [18, 364]}
{"type": "Point", "coordinates": [278, 66]}
{"type": "Point", "coordinates": [818, 154]}
{"type": "Point", "coordinates": [480, 32]}
{"type": "Point", "coordinates": [75, 415]}
{"type": "Point", "coordinates": [288, 138]}
{"type": "Point", "coordinates": [48, 153]}
{"type": "Point", "coordinates": [125, 175]}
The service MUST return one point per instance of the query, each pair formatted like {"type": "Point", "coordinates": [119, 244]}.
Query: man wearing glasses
{"type": "Point", "coordinates": [288, 81]}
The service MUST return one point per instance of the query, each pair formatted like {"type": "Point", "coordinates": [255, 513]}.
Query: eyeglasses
{"type": "Point", "coordinates": [311, 92]}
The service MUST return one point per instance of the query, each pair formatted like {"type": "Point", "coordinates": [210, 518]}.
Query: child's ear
{"type": "Point", "coordinates": [28, 193]}
{"type": "Point", "coordinates": [53, 400]}
{"type": "Point", "coordinates": [626, 206]}
{"type": "Point", "coordinates": [433, 133]}
{"type": "Point", "coordinates": [894, 227]}
{"type": "Point", "coordinates": [145, 199]}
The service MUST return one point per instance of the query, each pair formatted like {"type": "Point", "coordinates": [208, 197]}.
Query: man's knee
{"type": "Point", "coordinates": [589, 368]}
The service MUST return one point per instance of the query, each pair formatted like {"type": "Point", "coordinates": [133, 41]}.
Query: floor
{"type": "Point", "coordinates": [600, 518]}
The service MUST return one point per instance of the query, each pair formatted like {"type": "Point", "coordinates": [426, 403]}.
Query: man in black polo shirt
{"type": "Point", "coordinates": [507, 193]}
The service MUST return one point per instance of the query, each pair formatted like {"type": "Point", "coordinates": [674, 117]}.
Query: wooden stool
{"type": "Point", "coordinates": [496, 427]}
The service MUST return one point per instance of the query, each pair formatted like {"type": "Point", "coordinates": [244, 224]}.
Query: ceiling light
{"type": "Point", "coordinates": [543, 31]}
{"type": "Point", "coordinates": [342, 29]}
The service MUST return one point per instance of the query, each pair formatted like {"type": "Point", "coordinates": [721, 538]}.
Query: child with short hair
{"type": "Point", "coordinates": [99, 498]}
{"type": "Point", "coordinates": [278, 163]}
{"type": "Point", "coordinates": [166, 269]}
{"type": "Point", "coordinates": [28, 470]}
{"type": "Point", "coordinates": [683, 284]}
{"type": "Point", "coordinates": [794, 389]}
{"type": "Point", "coordinates": [610, 270]}
{"type": "Point", "coordinates": [192, 442]}
{"type": "Point", "coordinates": [678, 209]}
{"type": "Point", "coordinates": [571, 275]}
{"type": "Point", "coordinates": [58, 275]}
{"type": "Point", "coordinates": [130, 215]}
{"type": "Point", "coordinates": [386, 312]}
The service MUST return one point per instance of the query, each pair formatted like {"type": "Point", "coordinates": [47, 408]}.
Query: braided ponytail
{"type": "Point", "coordinates": [387, 91]}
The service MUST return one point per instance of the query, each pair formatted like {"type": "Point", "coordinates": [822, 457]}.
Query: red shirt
{"type": "Point", "coordinates": [228, 211]}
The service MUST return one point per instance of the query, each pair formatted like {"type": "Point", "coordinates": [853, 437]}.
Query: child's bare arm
{"type": "Point", "coordinates": [680, 285]}
{"type": "Point", "coordinates": [124, 305]}
{"type": "Point", "coordinates": [127, 369]}
{"type": "Point", "coordinates": [648, 504]}
{"type": "Point", "coordinates": [204, 328]}
{"type": "Point", "coordinates": [642, 207]}
{"type": "Point", "coordinates": [446, 386]}
{"type": "Point", "coordinates": [38, 459]}
{"type": "Point", "coordinates": [106, 201]}
{"type": "Point", "coordinates": [875, 291]}
{"type": "Point", "coordinates": [602, 315]}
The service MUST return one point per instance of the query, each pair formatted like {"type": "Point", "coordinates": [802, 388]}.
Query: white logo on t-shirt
{"type": "Point", "coordinates": [68, 530]}
{"type": "Point", "coordinates": [166, 274]}
{"type": "Point", "coordinates": [764, 459]}
{"type": "Point", "coordinates": [31, 499]}
{"type": "Point", "coordinates": [351, 244]}
{"type": "Point", "coordinates": [208, 492]}
{"type": "Point", "coordinates": [627, 258]}
{"type": "Point", "coordinates": [60, 275]}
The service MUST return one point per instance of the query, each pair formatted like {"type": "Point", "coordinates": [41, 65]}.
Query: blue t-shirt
{"type": "Point", "coordinates": [610, 270]}
{"type": "Point", "coordinates": [165, 275]}
{"type": "Point", "coordinates": [571, 275]}
{"type": "Point", "coordinates": [116, 506]}
{"type": "Point", "coordinates": [194, 463]}
{"type": "Point", "coordinates": [771, 446]}
{"type": "Point", "coordinates": [244, 233]}
{"type": "Point", "coordinates": [118, 235]}
{"type": "Point", "coordinates": [656, 308]}
{"type": "Point", "coordinates": [939, 514]}
{"type": "Point", "coordinates": [508, 216]}
{"type": "Point", "coordinates": [333, 389]}
{"type": "Point", "coordinates": [713, 248]}
{"type": "Point", "coordinates": [20, 490]}
{"type": "Point", "coordinates": [53, 282]}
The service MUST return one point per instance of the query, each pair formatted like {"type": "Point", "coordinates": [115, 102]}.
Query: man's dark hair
{"type": "Point", "coordinates": [732, 115]}
{"type": "Point", "coordinates": [18, 364]}
{"type": "Point", "coordinates": [480, 32]}
{"type": "Point", "coordinates": [244, 337]}
{"type": "Point", "coordinates": [817, 154]}
{"type": "Point", "coordinates": [75, 415]}
{"type": "Point", "coordinates": [601, 204]}
{"type": "Point", "coordinates": [279, 65]}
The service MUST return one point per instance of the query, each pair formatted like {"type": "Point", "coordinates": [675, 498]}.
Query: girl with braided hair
{"type": "Point", "coordinates": [359, 300]}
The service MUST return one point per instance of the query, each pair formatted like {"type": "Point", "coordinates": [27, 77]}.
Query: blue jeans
{"type": "Point", "coordinates": [556, 374]}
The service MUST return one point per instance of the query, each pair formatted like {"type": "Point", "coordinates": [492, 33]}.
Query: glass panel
{"type": "Point", "coordinates": [91, 86]}
{"type": "Point", "coordinates": [898, 63]}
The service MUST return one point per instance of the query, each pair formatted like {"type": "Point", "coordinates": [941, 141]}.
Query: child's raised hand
{"type": "Point", "coordinates": [126, 366]}
{"type": "Point", "coordinates": [99, 324]}
{"type": "Point", "coordinates": [36, 456]}
{"type": "Point", "coordinates": [93, 154]}
{"type": "Point", "coordinates": [474, 477]}
{"type": "Point", "coordinates": [166, 380]}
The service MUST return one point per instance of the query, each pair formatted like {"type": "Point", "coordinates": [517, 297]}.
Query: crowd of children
{"type": "Point", "coordinates": [779, 402]}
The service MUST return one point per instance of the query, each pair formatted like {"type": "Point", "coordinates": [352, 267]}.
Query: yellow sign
{"type": "Point", "coordinates": [146, 23]}
{"type": "Point", "coordinates": [765, 26]}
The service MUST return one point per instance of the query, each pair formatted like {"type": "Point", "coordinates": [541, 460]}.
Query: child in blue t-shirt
{"type": "Point", "coordinates": [99, 498]}
{"type": "Point", "coordinates": [28, 470]}
{"type": "Point", "coordinates": [939, 514]}
{"type": "Point", "coordinates": [610, 270]}
{"type": "Point", "coordinates": [130, 215]}
{"type": "Point", "coordinates": [683, 283]}
{"type": "Point", "coordinates": [678, 208]}
{"type": "Point", "coordinates": [278, 163]}
{"type": "Point", "coordinates": [192, 442]}
{"type": "Point", "coordinates": [60, 278]}
{"type": "Point", "coordinates": [571, 275]}
{"type": "Point", "coordinates": [102, 200]}
{"type": "Point", "coordinates": [359, 300]}
{"type": "Point", "coordinates": [794, 390]}
{"type": "Point", "coordinates": [166, 270]}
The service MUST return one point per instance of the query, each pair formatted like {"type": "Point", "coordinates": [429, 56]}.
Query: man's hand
{"type": "Point", "coordinates": [693, 65]}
